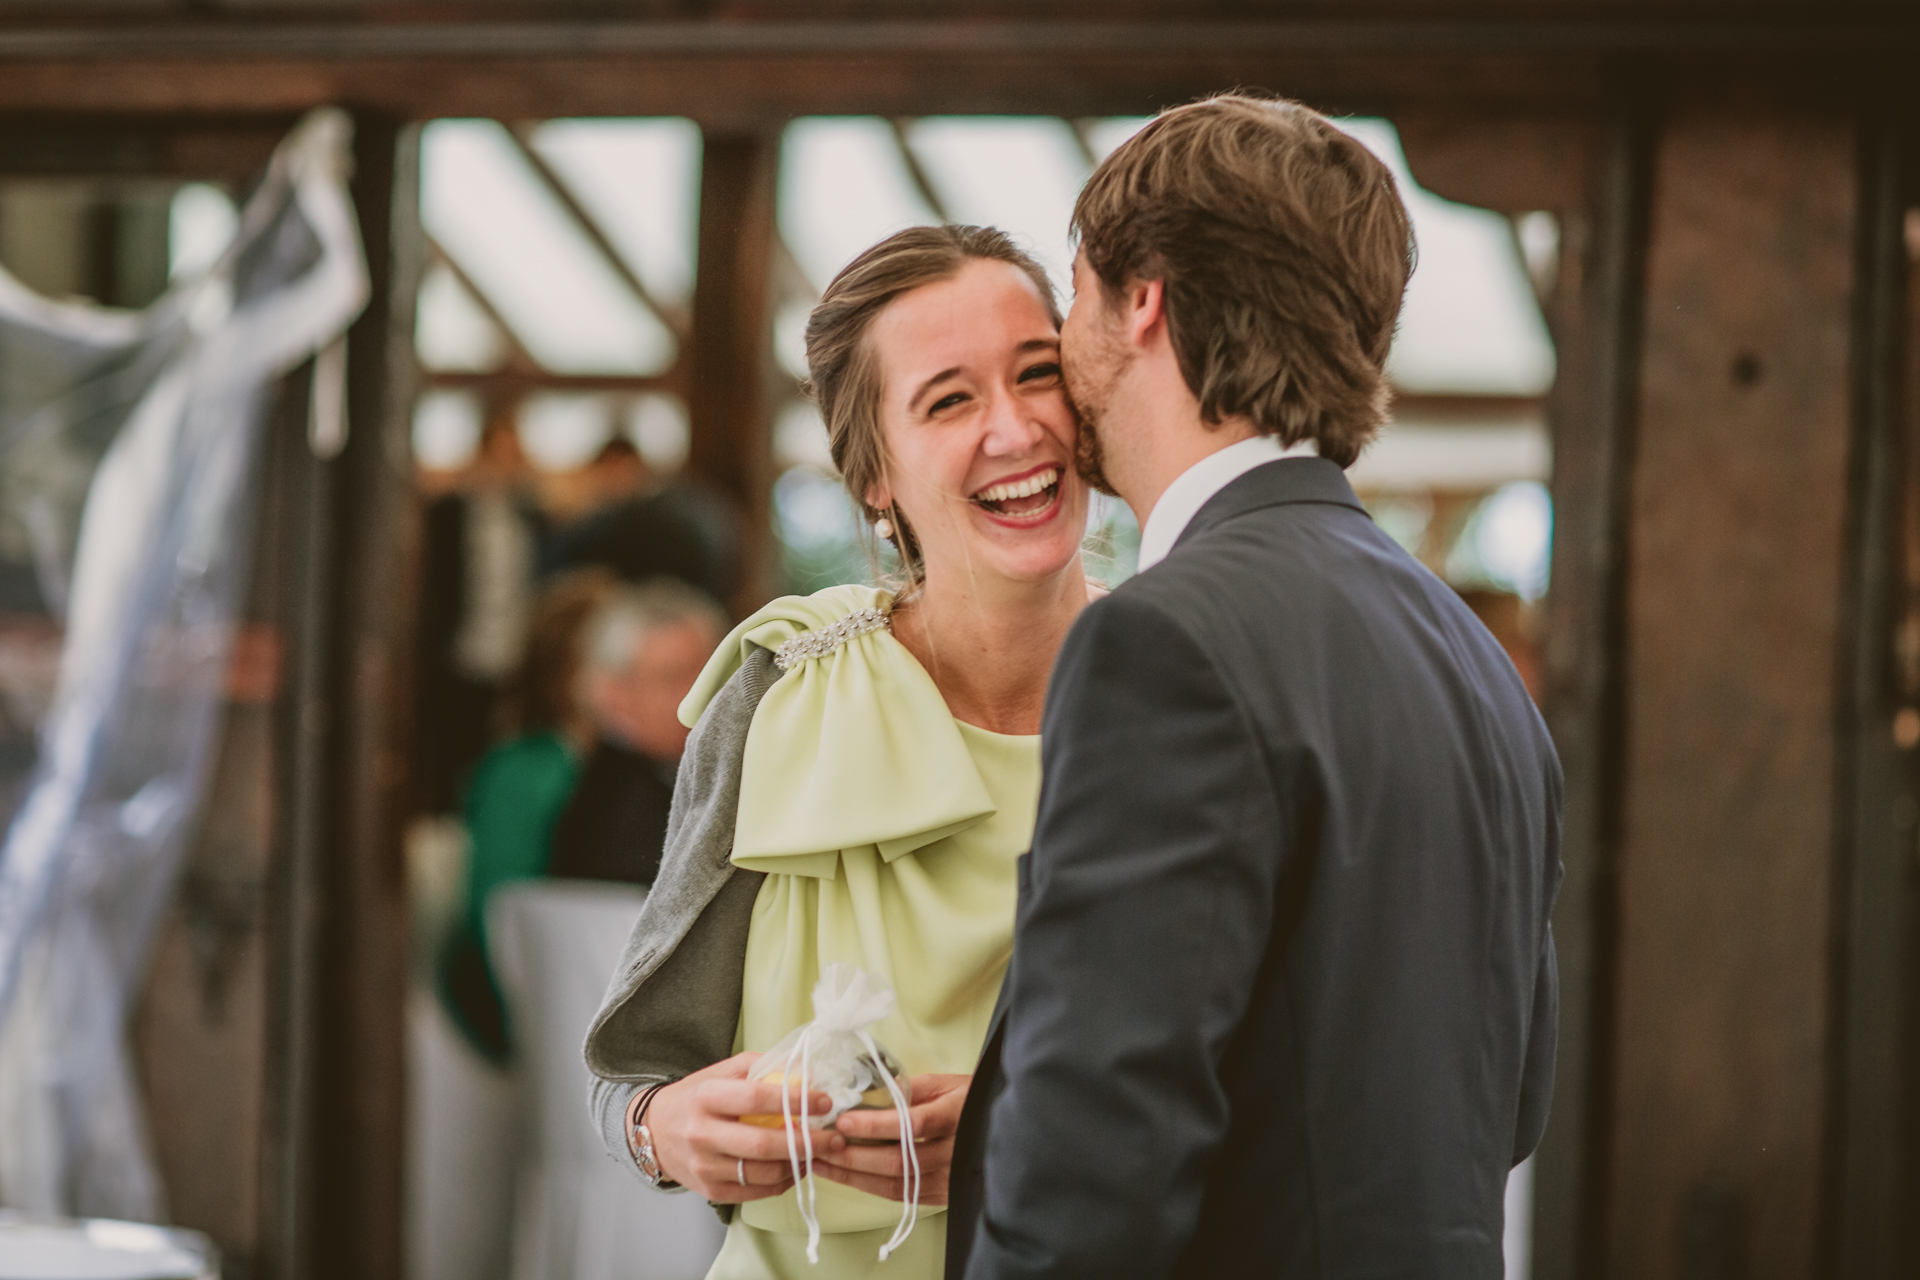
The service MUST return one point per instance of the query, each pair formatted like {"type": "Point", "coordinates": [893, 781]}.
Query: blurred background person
{"type": "Point", "coordinates": [644, 529]}
{"type": "Point", "coordinates": [616, 474]}
{"type": "Point", "coordinates": [645, 648]}
{"type": "Point", "coordinates": [518, 792]}
{"type": "Point", "coordinates": [483, 544]}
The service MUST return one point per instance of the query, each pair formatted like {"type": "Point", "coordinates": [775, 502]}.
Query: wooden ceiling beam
{"type": "Point", "coordinates": [1512, 162]}
{"type": "Point", "coordinates": [960, 37]}
{"type": "Point", "coordinates": [740, 74]}
{"type": "Point", "coordinates": [39, 144]}
{"type": "Point", "coordinates": [735, 93]}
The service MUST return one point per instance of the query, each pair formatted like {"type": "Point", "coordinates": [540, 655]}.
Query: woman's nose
{"type": "Point", "coordinates": [1011, 429]}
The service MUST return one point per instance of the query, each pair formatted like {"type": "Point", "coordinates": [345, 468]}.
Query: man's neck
{"type": "Point", "coordinates": [1162, 456]}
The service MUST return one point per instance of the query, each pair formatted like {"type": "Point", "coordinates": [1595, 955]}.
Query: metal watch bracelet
{"type": "Point", "coordinates": [640, 1141]}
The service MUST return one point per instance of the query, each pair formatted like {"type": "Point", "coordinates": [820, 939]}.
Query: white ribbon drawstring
{"type": "Point", "coordinates": [910, 1175]}
{"type": "Point", "coordinates": [805, 1194]}
{"type": "Point", "coordinates": [844, 1003]}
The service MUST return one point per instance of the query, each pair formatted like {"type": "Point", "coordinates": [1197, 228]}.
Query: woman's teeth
{"type": "Point", "coordinates": [1038, 482]}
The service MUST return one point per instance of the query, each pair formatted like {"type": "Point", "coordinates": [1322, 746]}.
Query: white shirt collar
{"type": "Point", "coordinates": [1193, 487]}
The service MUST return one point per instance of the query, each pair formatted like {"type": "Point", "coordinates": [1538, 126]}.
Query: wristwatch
{"type": "Point", "coordinates": [640, 1142]}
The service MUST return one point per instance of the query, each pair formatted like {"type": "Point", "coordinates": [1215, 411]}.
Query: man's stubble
{"type": "Point", "coordinates": [1090, 377]}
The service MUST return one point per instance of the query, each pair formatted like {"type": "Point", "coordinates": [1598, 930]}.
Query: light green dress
{"type": "Point", "coordinates": [889, 833]}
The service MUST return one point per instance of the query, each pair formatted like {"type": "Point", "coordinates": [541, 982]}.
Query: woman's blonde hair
{"type": "Point", "coordinates": [844, 376]}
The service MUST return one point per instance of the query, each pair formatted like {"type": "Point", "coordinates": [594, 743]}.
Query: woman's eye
{"type": "Point", "coordinates": [947, 402]}
{"type": "Point", "coordinates": [1040, 373]}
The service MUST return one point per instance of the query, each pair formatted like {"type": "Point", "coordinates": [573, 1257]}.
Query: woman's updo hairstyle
{"type": "Point", "coordinates": [843, 375]}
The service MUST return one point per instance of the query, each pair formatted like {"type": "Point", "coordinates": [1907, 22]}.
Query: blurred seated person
{"type": "Point", "coordinates": [483, 544]}
{"type": "Point", "coordinates": [678, 529]}
{"type": "Point", "coordinates": [617, 473]}
{"type": "Point", "coordinates": [518, 792]}
{"type": "Point", "coordinates": [645, 649]}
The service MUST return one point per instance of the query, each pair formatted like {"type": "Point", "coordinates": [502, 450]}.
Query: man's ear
{"type": "Point", "coordinates": [1143, 312]}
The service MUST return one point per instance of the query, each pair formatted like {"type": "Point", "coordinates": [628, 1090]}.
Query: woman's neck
{"type": "Point", "coordinates": [989, 646]}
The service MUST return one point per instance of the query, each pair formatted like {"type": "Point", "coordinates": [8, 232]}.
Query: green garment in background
{"type": "Point", "coordinates": [889, 833]}
{"type": "Point", "coordinates": [517, 794]}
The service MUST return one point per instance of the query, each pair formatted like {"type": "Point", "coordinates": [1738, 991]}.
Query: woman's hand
{"type": "Point", "coordinates": [701, 1144]}
{"type": "Point", "coordinates": [934, 1107]}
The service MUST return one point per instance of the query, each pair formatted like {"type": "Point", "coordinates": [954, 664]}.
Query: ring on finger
{"type": "Point", "coordinates": [740, 1171]}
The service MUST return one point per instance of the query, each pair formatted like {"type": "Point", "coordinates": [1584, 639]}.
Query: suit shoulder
{"type": "Point", "coordinates": [1297, 555]}
{"type": "Point", "coordinates": [1133, 635]}
{"type": "Point", "coordinates": [1137, 605]}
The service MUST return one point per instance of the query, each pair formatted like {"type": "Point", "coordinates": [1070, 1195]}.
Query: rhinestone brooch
{"type": "Point", "coordinates": [818, 644]}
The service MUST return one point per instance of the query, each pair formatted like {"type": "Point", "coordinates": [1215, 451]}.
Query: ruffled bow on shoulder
{"type": "Point", "coordinates": [853, 746]}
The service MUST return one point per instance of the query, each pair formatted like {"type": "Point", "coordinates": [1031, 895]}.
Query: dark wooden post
{"type": "Point", "coordinates": [732, 358]}
{"type": "Point", "coordinates": [1596, 324]}
{"type": "Point", "coordinates": [335, 1151]}
{"type": "Point", "coordinates": [1733, 683]}
{"type": "Point", "coordinates": [1735, 610]}
{"type": "Point", "coordinates": [1868, 1223]}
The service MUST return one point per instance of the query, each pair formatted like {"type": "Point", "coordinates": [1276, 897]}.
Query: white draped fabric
{"type": "Point", "coordinates": [163, 412]}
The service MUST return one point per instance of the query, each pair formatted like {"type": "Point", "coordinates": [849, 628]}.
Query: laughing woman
{"type": "Point", "coordinates": [865, 767]}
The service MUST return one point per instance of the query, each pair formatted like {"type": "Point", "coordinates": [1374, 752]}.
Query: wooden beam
{"type": "Point", "coordinates": [962, 30]}
{"type": "Point", "coordinates": [1734, 609]}
{"type": "Point", "coordinates": [1476, 410]}
{"type": "Point", "coordinates": [1594, 315]}
{"type": "Point", "coordinates": [1512, 163]}
{"type": "Point", "coordinates": [730, 369]}
{"type": "Point", "coordinates": [296, 887]}
{"type": "Point", "coordinates": [519, 362]}
{"type": "Point", "coordinates": [233, 150]}
{"type": "Point", "coordinates": [746, 93]}
{"type": "Point", "coordinates": [378, 593]}
{"type": "Point", "coordinates": [335, 1135]}
{"type": "Point", "coordinates": [917, 172]}
{"type": "Point", "coordinates": [1868, 1211]}
{"type": "Point", "coordinates": [742, 76]}
{"type": "Point", "coordinates": [742, 69]}
{"type": "Point", "coordinates": [512, 384]}
{"type": "Point", "coordinates": [674, 318]}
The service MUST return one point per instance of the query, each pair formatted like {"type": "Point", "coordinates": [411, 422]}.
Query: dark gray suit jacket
{"type": "Point", "coordinates": [1282, 998]}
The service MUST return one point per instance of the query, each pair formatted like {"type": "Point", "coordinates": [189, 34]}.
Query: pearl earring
{"type": "Point", "coordinates": [884, 527]}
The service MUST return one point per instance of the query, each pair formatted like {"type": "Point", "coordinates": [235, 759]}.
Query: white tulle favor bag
{"type": "Point", "coordinates": [836, 1054]}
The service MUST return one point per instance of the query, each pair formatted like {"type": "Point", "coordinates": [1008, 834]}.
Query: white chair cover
{"type": "Point", "coordinates": [578, 1215]}
{"type": "Point", "coordinates": [463, 1118]}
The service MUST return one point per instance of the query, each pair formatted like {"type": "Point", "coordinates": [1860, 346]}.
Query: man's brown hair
{"type": "Point", "coordinates": [1283, 249]}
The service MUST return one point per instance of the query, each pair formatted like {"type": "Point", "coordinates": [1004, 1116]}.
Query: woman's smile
{"type": "Point", "coordinates": [979, 435]}
{"type": "Point", "coordinates": [1022, 501]}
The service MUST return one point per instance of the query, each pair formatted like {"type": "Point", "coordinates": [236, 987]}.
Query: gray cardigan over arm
{"type": "Point", "coordinates": [673, 1005]}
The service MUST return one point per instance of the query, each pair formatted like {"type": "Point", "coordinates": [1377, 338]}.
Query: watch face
{"type": "Point", "coordinates": [649, 1164]}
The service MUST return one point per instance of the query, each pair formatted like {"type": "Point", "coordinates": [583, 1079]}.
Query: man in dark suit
{"type": "Point", "coordinates": [1282, 995]}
